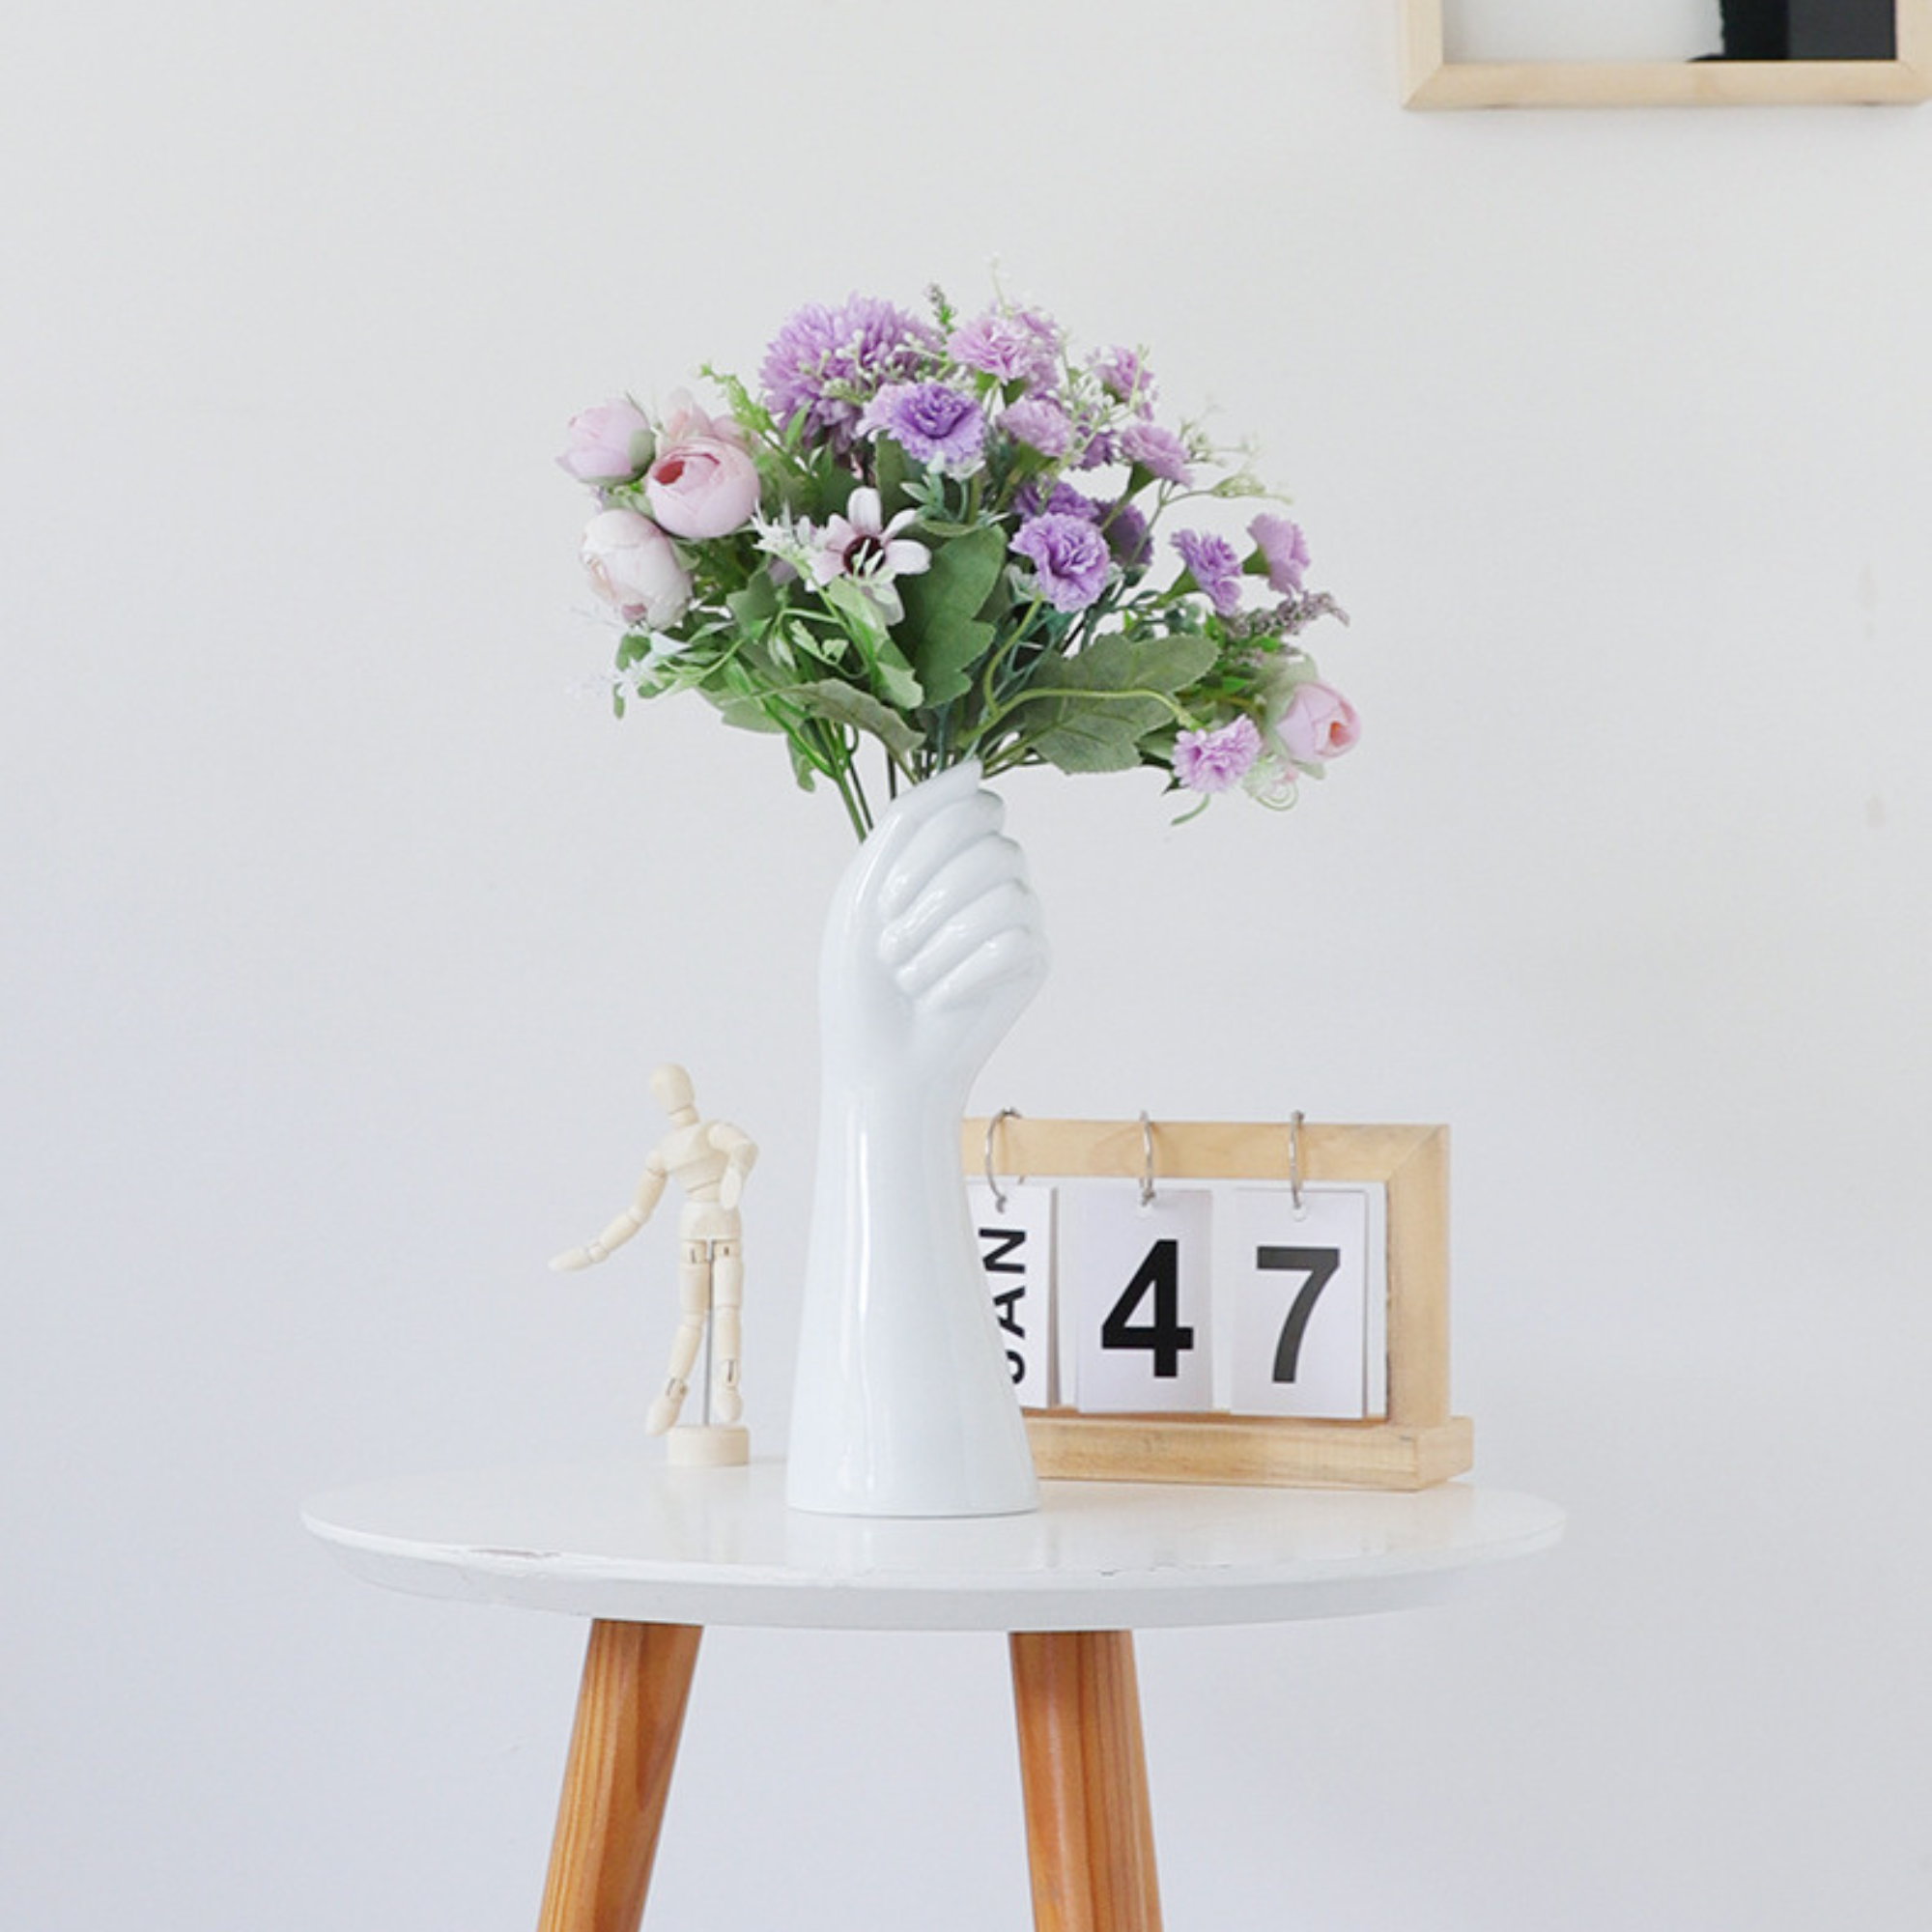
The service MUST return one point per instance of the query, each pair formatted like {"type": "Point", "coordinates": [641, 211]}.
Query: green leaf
{"type": "Point", "coordinates": [948, 660]}
{"type": "Point", "coordinates": [818, 490]}
{"type": "Point", "coordinates": [863, 622]}
{"type": "Point", "coordinates": [750, 413]}
{"type": "Point", "coordinates": [944, 633]}
{"type": "Point", "coordinates": [802, 768]}
{"type": "Point", "coordinates": [826, 648]}
{"type": "Point", "coordinates": [757, 604]}
{"type": "Point", "coordinates": [960, 579]}
{"type": "Point", "coordinates": [1092, 709]}
{"type": "Point", "coordinates": [899, 684]}
{"type": "Point", "coordinates": [746, 713]}
{"type": "Point", "coordinates": [892, 673]}
{"type": "Point", "coordinates": [846, 704]}
{"type": "Point", "coordinates": [891, 468]}
{"type": "Point", "coordinates": [1089, 737]}
{"type": "Point", "coordinates": [1115, 663]}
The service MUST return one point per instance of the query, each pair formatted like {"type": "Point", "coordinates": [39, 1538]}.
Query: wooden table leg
{"type": "Point", "coordinates": [1082, 1775]}
{"type": "Point", "coordinates": [630, 1710]}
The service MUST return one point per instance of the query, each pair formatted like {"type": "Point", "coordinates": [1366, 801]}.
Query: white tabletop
{"type": "Point", "coordinates": [639, 1542]}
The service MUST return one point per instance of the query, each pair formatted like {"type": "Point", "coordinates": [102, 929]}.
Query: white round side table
{"type": "Point", "coordinates": [652, 1553]}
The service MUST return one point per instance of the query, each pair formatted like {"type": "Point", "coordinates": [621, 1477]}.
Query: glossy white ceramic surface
{"type": "Point", "coordinates": [903, 1404]}
{"type": "Point", "coordinates": [637, 1541]}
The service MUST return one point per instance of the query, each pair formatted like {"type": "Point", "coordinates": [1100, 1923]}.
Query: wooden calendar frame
{"type": "Point", "coordinates": [1416, 1444]}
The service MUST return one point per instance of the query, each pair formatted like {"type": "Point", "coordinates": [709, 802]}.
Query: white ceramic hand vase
{"type": "Point", "coordinates": [904, 1405]}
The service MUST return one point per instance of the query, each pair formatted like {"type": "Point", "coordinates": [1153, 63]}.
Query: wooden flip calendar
{"type": "Point", "coordinates": [1306, 1343]}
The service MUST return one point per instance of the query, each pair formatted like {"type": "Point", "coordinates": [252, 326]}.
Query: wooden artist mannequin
{"type": "Point", "coordinates": [709, 1161]}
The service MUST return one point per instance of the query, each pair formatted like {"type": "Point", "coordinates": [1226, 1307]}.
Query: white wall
{"type": "Point", "coordinates": [339, 939]}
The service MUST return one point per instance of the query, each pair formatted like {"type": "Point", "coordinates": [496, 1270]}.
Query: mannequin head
{"type": "Point", "coordinates": [671, 1088]}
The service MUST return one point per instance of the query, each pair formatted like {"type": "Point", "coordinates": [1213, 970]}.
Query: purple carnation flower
{"type": "Point", "coordinates": [1125, 377]}
{"type": "Point", "coordinates": [1126, 532]}
{"type": "Point", "coordinates": [858, 347]}
{"type": "Point", "coordinates": [1069, 556]}
{"type": "Point", "coordinates": [1016, 345]}
{"type": "Point", "coordinates": [929, 422]}
{"type": "Point", "coordinates": [1041, 424]}
{"type": "Point", "coordinates": [1099, 451]}
{"type": "Point", "coordinates": [1214, 566]}
{"type": "Point", "coordinates": [1214, 760]}
{"type": "Point", "coordinates": [1157, 450]}
{"type": "Point", "coordinates": [1284, 550]}
{"type": "Point", "coordinates": [1062, 501]}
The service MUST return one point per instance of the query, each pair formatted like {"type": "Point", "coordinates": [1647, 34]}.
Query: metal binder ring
{"type": "Point", "coordinates": [992, 1126]}
{"type": "Point", "coordinates": [1294, 1158]}
{"type": "Point", "coordinates": [1147, 1160]}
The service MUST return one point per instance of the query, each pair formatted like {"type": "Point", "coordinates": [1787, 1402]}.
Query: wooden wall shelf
{"type": "Point", "coordinates": [1429, 80]}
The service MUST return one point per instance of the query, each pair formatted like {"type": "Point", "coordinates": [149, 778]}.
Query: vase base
{"type": "Point", "coordinates": [710, 1445]}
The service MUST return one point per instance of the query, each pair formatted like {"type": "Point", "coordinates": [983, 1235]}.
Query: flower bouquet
{"type": "Point", "coordinates": [943, 535]}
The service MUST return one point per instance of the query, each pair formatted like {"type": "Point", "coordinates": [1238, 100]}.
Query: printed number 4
{"type": "Point", "coordinates": [1321, 1266]}
{"type": "Point", "coordinates": [1166, 1336]}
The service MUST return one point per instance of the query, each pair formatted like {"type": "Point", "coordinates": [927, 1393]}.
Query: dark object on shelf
{"type": "Point", "coordinates": [1776, 30]}
{"type": "Point", "coordinates": [1843, 29]}
{"type": "Point", "coordinates": [1757, 30]}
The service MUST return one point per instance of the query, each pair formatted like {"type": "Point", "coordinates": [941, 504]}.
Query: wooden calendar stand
{"type": "Point", "coordinates": [1416, 1444]}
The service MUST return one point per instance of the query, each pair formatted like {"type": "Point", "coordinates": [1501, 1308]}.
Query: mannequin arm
{"type": "Point", "coordinates": [649, 1192]}
{"type": "Point", "coordinates": [740, 1157]}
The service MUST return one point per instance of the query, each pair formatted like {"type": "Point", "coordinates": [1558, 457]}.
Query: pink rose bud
{"type": "Point", "coordinates": [682, 420]}
{"type": "Point", "coordinates": [611, 443]}
{"type": "Point", "coordinates": [703, 487]}
{"type": "Point", "coordinates": [632, 565]}
{"type": "Point", "coordinates": [1318, 724]}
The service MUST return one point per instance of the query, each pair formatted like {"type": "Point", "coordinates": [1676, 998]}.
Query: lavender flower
{"type": "Point", "coordinates": [1284, 550]}
{"type": "Point", "coordinates": [929, 422]}
{"type": "Point", "coordinates": [1157, 450]}
{"type": "Point", "coordinates": [1041, 424]}
{"type": "Point", "coordinates": [1015, 345]}
{"type": "Point", "coordinates": [1071, 558]}
{"type": "Point", "coordinates": [1211, 761]}
{"type": "Point", "coordinates": [1215, 567]}
{"type": "Point", "coordinates": [827, 361]}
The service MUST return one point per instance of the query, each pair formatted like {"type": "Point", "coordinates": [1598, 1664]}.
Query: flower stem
{"type": "Point", "coordinates": [862, 810]}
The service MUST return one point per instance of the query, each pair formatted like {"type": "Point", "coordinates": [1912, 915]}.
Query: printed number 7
{"type": "Point", "coordinates": [1321, 1266]}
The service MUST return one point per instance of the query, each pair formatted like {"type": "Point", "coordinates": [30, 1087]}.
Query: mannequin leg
{"type": "Point", "coordinates": [694, 1296]}
{"type": "Point", "coordinates": [727, 1299]}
